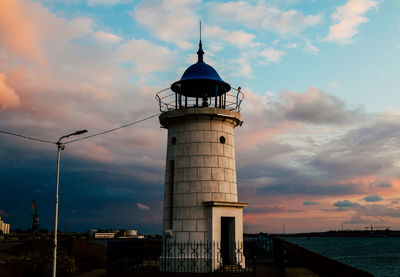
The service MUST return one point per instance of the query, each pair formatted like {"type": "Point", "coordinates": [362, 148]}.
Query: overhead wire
{"type": "Point", "coordinates": [27, 137]}
{"type": "Point", "coordinates": [114, 129]}
{"type": "Point", "coordinates": [90, 136]}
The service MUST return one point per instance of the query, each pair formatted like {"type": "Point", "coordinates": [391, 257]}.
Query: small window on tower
{"type": "Point", "coordinates": [173, 140]}
{"type": "Point", "coordinates": [222, 139]}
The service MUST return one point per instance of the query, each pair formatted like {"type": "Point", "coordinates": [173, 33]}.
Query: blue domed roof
{"type": "Point", "coordinates": [201, 70]}
{"type": "Point", "coordinates": [200, 80]}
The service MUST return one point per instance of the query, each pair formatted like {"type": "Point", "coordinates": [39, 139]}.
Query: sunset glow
{"type": "Point", "coordinates": [319, 148]}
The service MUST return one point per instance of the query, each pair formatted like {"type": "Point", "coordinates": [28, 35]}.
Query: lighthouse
{"type": "Point", "coordinates": [202, 217]}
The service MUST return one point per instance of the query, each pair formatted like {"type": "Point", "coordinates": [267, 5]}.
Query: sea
{"type": "Point", "coordinates": [377, 255]}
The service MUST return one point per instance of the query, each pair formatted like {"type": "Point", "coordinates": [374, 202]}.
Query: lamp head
{"type": "Point", "coordinates": [79, 132]}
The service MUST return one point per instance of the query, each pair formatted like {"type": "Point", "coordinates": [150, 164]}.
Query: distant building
{"type": "Point", "coordinates": [132, 233]}
{"type": "Point", "coordinates": [104, 235]}
{"type": "Point", "coordinates": [111, 234]}
{"type": "Point", "coordinates": [4, 227]}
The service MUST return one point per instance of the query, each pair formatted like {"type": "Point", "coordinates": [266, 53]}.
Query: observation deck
{"type": "Point", "coordinates": [169, 100]}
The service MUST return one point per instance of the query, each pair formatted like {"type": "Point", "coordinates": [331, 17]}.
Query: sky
{"type": "Point", "coordinates": [319, 147]}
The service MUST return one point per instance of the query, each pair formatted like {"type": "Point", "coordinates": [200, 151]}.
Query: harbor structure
{"type": "Point", "coordinates": [201, 207]}
{"type": "Point", "coordinates": [4, 227]}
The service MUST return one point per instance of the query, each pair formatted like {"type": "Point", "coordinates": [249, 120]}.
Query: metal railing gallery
{"type": "Point", "coordinates": [169, 100]}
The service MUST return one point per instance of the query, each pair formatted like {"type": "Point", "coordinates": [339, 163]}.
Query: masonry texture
{"type": "Point", "coordinates": [201, 150]}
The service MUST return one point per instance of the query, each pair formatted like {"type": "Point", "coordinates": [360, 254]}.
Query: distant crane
{"type": "Point", "coordinates": [35, 218]}
{"type": "Point", "coordinates": [371, 227]}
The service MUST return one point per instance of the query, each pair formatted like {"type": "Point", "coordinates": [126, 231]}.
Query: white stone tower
{"type": "Point", "coordinates": [200, 197]}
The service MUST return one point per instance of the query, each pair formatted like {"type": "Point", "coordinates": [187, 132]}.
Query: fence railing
{"type": "Point", "coordinates": [201, 257]}
{"type": "Point", "coordinates": [257, 254]}
{"type": "Point", "coordinates": [169, 100]}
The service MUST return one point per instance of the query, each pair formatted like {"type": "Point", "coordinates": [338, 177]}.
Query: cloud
{"type": "Point", "coordinates": [268, 209]}
{"type": "Point", "coordinates": [174, 21]}
{"type": "Point", "coordinates": [272, 55]}
{"type": "Point", "coordinates": [9, 99]}
{"type": "Point", "coordinates": [145, 56]}
{"type": "Point", "coordinates": [359, 219]}
{"type": "Point", "coordinates": [346, 204]}
{"type": "Point", "coordinates": [373, 198]}
{"type": "Point", "coordinates": [238, 39]}
{"type": "Point", "coordinates": [309, 203]}
{"type": "Point", "coordinates": [348, 18]}
{"type": "Point", "coordinates": [309, 47]}
{"type": "Point", "coordinates": [376, 211]}
{"type": "Point", "coordinates": [105, 2]}
{"type": "Point", "coordinates": [242, 66]}
{"type": "Point", "coordinates": [107, 37]}
{"type": "Point", "coordinates": [262, 16]}
{"type": "Point", "coordinates": [143, 207]}
{"type": "Point", "coordinates": [385, 185]}
{"type": "Point", "coordinates": [364, 151]}
{"type": "Point", "coordinates": [292, 143]}
{"type": "Point", "coordinates": [18, 34]}
{"type": "Point", "coordinates": [318, 107]}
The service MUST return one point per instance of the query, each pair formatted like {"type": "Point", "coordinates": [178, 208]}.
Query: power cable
{"type": "Point", "coordinates": [114, 129]}
{"type": "Point", "coordinates": [94, 135]}
{"type": "Point", "coordinates": [27, 137]}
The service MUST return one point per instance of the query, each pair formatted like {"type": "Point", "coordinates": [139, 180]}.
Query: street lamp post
{"type": "Point", "coordinates": [60, 146]}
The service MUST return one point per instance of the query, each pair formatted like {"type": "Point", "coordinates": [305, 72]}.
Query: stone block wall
{"type": "Point", "coordinates": [202, 151]}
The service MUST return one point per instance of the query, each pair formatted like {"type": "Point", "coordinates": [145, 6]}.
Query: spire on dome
{"type": "Point", "coordinates": [200, 52]}
{"type": "Point", "coordinates": [200, 80]}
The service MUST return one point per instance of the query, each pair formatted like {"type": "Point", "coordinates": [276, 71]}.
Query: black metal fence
{"type": "Point", "coordinates": [200, 257]}
{"type": "Point", "coordinates": [257, 255]}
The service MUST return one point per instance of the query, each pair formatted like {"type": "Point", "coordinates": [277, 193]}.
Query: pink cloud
{"type": "Point", "coordinates": [143, 207]}
{"type": "Point", "coordinates": [347, 19]}
{"type": "Point", "coordinates": [92, 151]}
{"type": "Point", "coordinates": [9, 99]}
{"type": "Point", "coordinates": [18, 33]}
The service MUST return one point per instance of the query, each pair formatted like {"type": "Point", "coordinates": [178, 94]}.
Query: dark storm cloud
{"type": "Point", "coordinates": [360, 152]}
{"type": "Point", "coordinates": [92, 194]}
{"type": "Point", "coordinates": [279, 179]}
{"type": "Point", "coordinates": [309, 166]}
{"type": "Point", "coordinates": [373, 198]}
